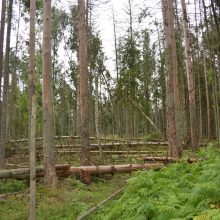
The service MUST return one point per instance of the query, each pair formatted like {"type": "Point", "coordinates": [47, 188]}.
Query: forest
{"type": "Point", "coordinates": [110, 109]}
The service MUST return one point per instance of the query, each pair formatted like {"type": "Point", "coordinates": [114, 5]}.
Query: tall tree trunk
{"type": "Point", "coordinates": [163, 86]}
{"type": "Point", "coordinates": [181, 104]}
{"type": "Point", "coordinates": [207, 100]}
{"type": "Point", "coordinates": [190, 81]}
{"type": "Point", "coordinates": [5, 88]}
{"type": "Point", "coordinates": [12, 93]}
{"type": "Point", "coordinates": [97, 113]}
{"type": "Point", "coordinates": [83, 70]}
{"type": "Point", "coordinates": [174, 146]}
{"type": "Point", "coordinates": [176, 87]}
{"type": "Point", "coordinates": [48, 126]}
{"type": "Point", "coordinates": [208, 105]}
{"type": "Point", "coordinates": [2, 33]}
{"type": "Point", "coordinates": [32, 112]}
{"type": "Point", "coordinates": [115, 44]}
{"type": "Point", "coordinates": [198, 74]}
{"type": "Point", "coordinates": [78, 117]}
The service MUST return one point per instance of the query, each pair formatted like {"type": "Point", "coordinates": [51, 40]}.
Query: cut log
{"type": "Point", "coordinates": [24, 172]}
{"type": "Point", "coordinates": [160, 159]}
{"type": "Point", "coordinates": [112, 169]}
{"type": "Point", "coordinates": [113, 152]}
{"type": "Point", "coordinates": [68, 171]}
{"type": "Point", "coordinates": [62, 166]}
{"type": "Point", "coordinates": [168, 159]}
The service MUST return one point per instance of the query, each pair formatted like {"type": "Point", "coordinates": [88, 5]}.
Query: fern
{"type": "Point", "coordinates": [179, 191]}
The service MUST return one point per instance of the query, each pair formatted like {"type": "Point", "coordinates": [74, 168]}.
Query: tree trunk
{"type": "Point", "coordinates": [97, 114]}
{"type": "Point", "coordinates": [175, 79]}
{"type": "Point", "coordinates": [2, 32]}
{"type": "Point", "coordinates": [199, 76]}
{"type": "Point", "coordinates": [174, 146]}
{"type": "Point", "coordinates": [163, 85]}
{"type": "Point", "coordinates": [207, 100]}
{"type": "Point", "coordinates": [190, 81]}
{"type": "Point", "coordinates": [48, 126]}
{"type": "Point", "coordinates": [13, 93]}
{"type": "Point", "coordinates": [208, 106]}
{"type": "Point", "coordinates": [5, 89]}
{"type": "Point", "coordinates": [115, 45]}
{"type": "Point", "coordinates": [32, 112]}
{"type": "Point", "coordinates": [180, 83]}
{"type": "Point", "coordinates": [83, 70]}
{"type": "Point", "coordinates": [93, 170]}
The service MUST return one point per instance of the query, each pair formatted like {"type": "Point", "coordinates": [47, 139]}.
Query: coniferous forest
{"type": "Point", "coordinates": [93, 90]}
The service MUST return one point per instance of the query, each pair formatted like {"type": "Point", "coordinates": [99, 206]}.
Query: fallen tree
{"type": "Point", "coordinates": [113, 152]}
{"type": "Point", "coordinates": [168, 159]}
{"type": "Point", "coordinates": [65, 170]}
{"type": "Point", "coordinates": [24, 172]}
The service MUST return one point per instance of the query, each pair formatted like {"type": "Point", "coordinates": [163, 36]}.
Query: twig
{"type": "Point", "coordinates": [85, 214]}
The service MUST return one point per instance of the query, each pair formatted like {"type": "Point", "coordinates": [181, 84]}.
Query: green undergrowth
{"type": "Point", "coordinates": [71, 198]}
{"type": "Point", "coordinates": [178, 191]}
{"type": "Point", "coordinates": [151, 136]}
{"type": "Point", "coordinates": [11, 186]}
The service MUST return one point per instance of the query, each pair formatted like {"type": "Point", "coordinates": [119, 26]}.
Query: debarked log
{"type": "Point", "coordinates": [110, 152]}
{"type": "Point", "coordinates": [24, 172]}
{"type": "Point", "coordinates": [109, 169]}
{"type": "Point", "coordinates": [92, 170]}
{"type": "Point", "coordinates": [168, 159]}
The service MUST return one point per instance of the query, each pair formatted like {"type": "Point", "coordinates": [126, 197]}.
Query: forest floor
{"type": "Point", "coordinates": [178, 191]}
{"type": "Point", "coordinates": [68, 201]}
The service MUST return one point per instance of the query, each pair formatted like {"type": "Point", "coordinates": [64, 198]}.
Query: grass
{"type": "Point", "coordinates": [65, 203]}
{"type": "Point", "coordinates": [180, 191]}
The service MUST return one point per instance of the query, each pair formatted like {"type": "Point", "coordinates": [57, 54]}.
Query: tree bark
{"type": "Point", "coordinates": [32, 112]}
{"type": "Point", "coordinates": [169, 159]}
{"type": "Point", "coordinates": [190, 81]}
{"type": "Point", "coordinates": [176, 86]}
{"type": "Point", "coordinates": [24, 172]}
{"type": "Point", "coordinates": [208, 106]}
{"type": "Point", "coordinates": [93, 170]}
{"type": "Point", "coordinates": [97, 114]}
{"type": "Point", "coordinates": [174, 149]}
{"type": "Point", "coordinates": [5, 89]}
{"type": "Point", "coordinates": [48, 126]}
{"type": "Point", "coordinates": [83, 70]}
{"type": "Point", "coordinates": [2, 32]}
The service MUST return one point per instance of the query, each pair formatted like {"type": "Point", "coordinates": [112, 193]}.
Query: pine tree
{"type": "Point", "coordinates": [32, 112]}
{"type": "Point", "coordinates": [48, 127]}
